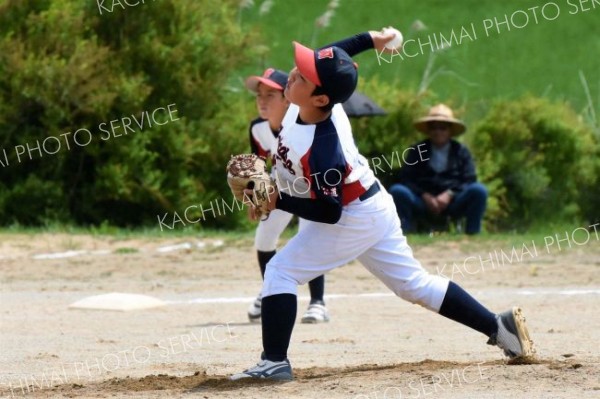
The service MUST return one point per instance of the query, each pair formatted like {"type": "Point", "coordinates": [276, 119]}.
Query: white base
{"type": "Point", "coordinates": [118, 302]}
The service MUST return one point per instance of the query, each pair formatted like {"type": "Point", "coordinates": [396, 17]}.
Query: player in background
{"type": "Point", "coordinates": [322, 178]}
{"type": "Point", "coordinates": [272, 106]}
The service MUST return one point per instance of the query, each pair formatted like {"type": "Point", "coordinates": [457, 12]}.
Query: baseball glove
{"type": "Point", "coordinates": [249, 171]}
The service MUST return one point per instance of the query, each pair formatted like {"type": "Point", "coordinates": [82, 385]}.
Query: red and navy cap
{"type": "Point", "coordinates": [273, 78]}
{"type": "Point", "coordinates": [330, 68]}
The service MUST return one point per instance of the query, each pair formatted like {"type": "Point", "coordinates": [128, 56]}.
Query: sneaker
{"type": "Point", "coordinates": [512, 335]}
{"type": "Point", "coordinates": [316, 313]}
{"type": "Point", "coordinates": [254, 309]}
{"type": "Point", "coordinates": [266, 369]}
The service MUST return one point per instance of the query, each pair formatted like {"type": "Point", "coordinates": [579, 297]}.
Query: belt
{"type": "Point", "coordinates": [374, 189]}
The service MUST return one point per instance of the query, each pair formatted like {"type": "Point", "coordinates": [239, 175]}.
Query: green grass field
{"type": "Point", "coordinates": [542, 58]}
{"type": "Point", "coordinates": [245, 235]}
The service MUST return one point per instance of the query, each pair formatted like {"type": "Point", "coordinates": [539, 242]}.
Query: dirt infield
{"type": "Point", "coordinates": [375, 347]}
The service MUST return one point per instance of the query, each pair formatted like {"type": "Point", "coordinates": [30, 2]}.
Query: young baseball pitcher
{"type": "Point", "coordinates": [322, 178]}
{"type": "Point", "coordinates": [272, 106]}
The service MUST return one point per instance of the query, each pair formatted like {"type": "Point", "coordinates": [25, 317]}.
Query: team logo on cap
{"type": "Point", "coordinates": [268, 73]}
{"type": "Point", "coordinates": [325, 53]}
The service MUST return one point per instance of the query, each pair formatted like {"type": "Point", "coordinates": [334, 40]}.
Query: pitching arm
{"type": "Point", "coordinates": [363, 41]}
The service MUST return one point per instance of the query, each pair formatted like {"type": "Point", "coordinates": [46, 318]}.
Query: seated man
{"type": "Point", "coordinates": [440, 179]}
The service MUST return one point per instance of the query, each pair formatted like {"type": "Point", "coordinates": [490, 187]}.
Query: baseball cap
{"type": "Point", "coordinates": [273, 78]}
{"type": "Point", "coordinates": [330, 68]}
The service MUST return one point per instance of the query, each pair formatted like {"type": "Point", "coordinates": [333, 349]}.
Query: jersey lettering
{"type": "Point", "coordinates": [282, 156]}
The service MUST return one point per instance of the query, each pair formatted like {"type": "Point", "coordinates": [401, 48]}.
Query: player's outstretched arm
{"type": "Point", "coordinates": [364, 41]}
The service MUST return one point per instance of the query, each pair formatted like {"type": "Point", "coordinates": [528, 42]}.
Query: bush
{"type": "Point", "coordinates": [67, 67]}
{"type": "Point", "coordinates": [388, 135]}
{"type": "Point", "coordinates": [537, 159]}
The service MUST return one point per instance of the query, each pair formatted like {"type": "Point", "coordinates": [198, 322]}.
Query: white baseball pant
{"type": "Point", "coordinates": [268, 231]}
{"type": "Point", "coordinates": [368, 231]}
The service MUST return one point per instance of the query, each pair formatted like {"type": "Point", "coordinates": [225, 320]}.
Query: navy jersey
{"type": "Point", "coordinates": [318, 168]}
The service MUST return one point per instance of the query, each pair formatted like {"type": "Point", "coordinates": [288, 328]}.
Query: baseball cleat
{"type": "Point", "coordinates": [512, 335]}
{"type": "Point", "coordinates": [316, 313]}
{"type": "Point", "coordinates": [254, 311]}
{"type": "Point", "coordinates": [267, 369]}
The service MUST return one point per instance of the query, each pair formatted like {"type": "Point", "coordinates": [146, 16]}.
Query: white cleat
{"type": "Point", "coordinates": [513, 336]}
{"type": "Point", "coordinates": [254, 311]}
{"type": "Point", "coordinates": [316, 313]}
{"type": "Point", "coordinates": [267, 369]}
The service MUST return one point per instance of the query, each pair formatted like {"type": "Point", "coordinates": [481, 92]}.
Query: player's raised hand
{"type": "Point", "coordinates": [381, 38]}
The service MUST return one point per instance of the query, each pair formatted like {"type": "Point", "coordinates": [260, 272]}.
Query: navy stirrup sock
{"type": "Point", "coordinates": [278, 317]}
{"type": "Point", "coordinates": [459, 306]}
{"type": "Point", "coordinates": [316, 287]}
{"type": "Point", "coordinates": [263, 258]}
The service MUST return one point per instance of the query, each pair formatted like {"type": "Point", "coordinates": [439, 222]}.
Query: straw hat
{"type": "Point", "coordinates": [441, 113]}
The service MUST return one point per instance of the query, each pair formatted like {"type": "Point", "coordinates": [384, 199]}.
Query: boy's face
{"type": "Point", "coordinates": [269, 101]}
{"type": "Point", "coordinates": [299, 91]}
